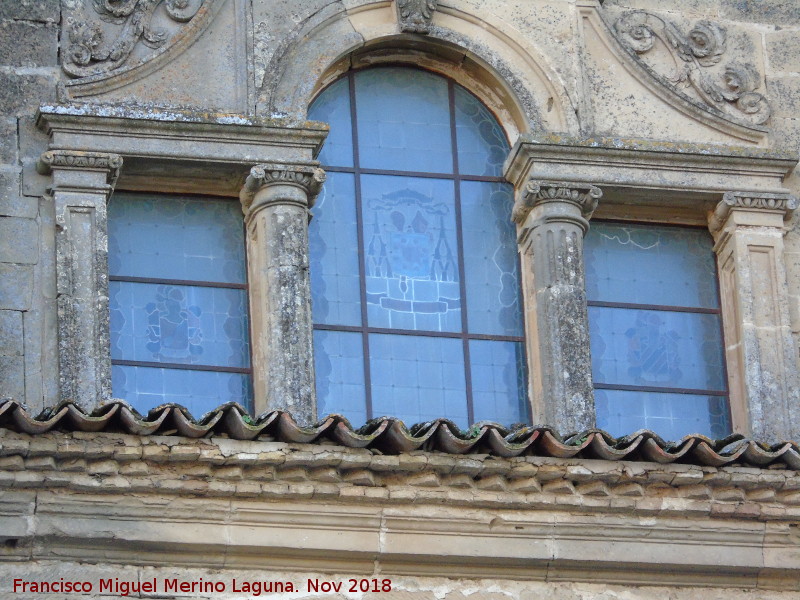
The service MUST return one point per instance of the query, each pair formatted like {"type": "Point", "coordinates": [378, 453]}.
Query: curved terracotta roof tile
{"type": "Point", "coordinates": [390, 435]}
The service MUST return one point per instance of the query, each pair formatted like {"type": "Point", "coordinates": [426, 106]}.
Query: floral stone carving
{"type": "Point", "coordinates": [89, 53]}
{"type": "Point", "coordinates": [415, 15]}
{"type": "Point", "coordinates": [702, 47]}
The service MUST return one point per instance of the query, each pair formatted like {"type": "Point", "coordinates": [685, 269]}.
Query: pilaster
{"type": "Point", "coordinates": [276, 199]}
{"type": "Point", "coordinates": [748, 229]}
{"type": "Point", "coordinates": [81, 185]}
{"type": "Point", "coordinates": [552, 218]}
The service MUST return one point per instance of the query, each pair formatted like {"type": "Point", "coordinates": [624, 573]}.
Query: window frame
{"type": "Point", "coordinates": [668, 308]}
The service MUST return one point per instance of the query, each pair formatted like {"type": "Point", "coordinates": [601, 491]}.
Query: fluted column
{"type": "Point", "coordinates": [748, 229]}
{"type": "Point", "coordinates": [552, 218]}
{"type": "Point", "coordinates": [276, 199]}
{"type": "Point", "coordinates": [81, 185]}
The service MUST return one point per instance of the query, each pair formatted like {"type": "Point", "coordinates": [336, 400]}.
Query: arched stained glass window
{"type": "Point", "coordinates": [414, 270]}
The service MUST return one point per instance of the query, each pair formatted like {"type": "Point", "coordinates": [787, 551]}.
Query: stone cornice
{"type": "Point", "coordinates": [583, 195]}
{"type": "Point", "coordinates": [308, 178]}
{"type": "Point", "coordinates": [124, 499]}
{"type": "Point", "coordinates": [218, 467]}
{"type": "Point", "coordinates": [783, 204]}
{"type": "Point", "coordinates": [75, 160]}
{"type": "Point", "coordinates": [618, 163]}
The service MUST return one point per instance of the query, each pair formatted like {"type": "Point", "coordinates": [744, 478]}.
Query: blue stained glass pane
{"type": "Point", "coordinates": [482, 146]}
{"type": "Point", "coordinates": [333, 107]}
{"type": "Point", "coordinates": [656, 348]}
{"type": "Point", "coordinates": [672, 416]}
{"type": "Point", "coordinates": [498, 381]}
{"type": "Point", "coordinates": [411, 253]}
{"type": "Point", "coordinates": [176, 238]}
{"type": "Point", "coordinates": [339, 362]}
{"type": "Point", "coordinates": [490, 259]}
{"type": "Point", "coordinates": [199, 391]}
{"type": "Point", "coordinates": [179, 324]}
{"type": "Point", "coordinates": [646, 264]}
{"type": "Point", "coordinates": [418, 379]}
{"type": "Point", "coordinates": [403, 120]}
{"type": "Point", "coordinates": [333, 239]}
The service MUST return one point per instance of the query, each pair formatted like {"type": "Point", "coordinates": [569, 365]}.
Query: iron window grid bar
{"type": "Point", "coordinates": [357, 171]}
{"type": "Point", "coordinates": [186, 366]}
{"type": "Point", "coordinates": [724, 393]}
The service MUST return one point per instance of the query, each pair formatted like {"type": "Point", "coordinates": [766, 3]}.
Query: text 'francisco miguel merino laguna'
{"type": "Point", "coordinates": [252, 588]}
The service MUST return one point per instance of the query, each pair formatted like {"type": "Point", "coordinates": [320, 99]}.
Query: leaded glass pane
{"type": "Point", "coordinates": [179, 324]}
{"type": "Point", "coordinates": [199, 391]}
{"type": "Point", "coordinates": [672, 416]}
{"type": "Point", "coordinates": [333, 107]}
{"type": "Point", "coordinates": [490, 258]}
{"type": "Point", "coordinates": [403, 120]}
{"type": "Point", "coordinates": [656, 348]}
{"type": "Point", "coordinates": [411, 253]}
{"type": "Point", "coordinates": [498, 381]}
{"type": "Point", "coordinates": [176, 238]}
{"type": "Point", "coordinates": [647, 264]}
{"type": "Point", "coordinates": [482, 146]}
{"type": "Point", "coordinates": [339, 362]}
{"type": "Point", "coordinates": [418, 379]}
{"type": "Point", "coordinates": [332, 233]}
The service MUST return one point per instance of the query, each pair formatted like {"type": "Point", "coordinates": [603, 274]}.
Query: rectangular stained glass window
{"type": "Point", "coordinates": [178, 302]}
{"type": "Point", "coordinates": [656, 336]}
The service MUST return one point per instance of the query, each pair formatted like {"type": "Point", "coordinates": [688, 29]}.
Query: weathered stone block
{"type": "Point", "coordinates": [783, 51]}
{"type": "Point", "coordinates": [778, 12]}
{"type": "Point", "coordinates": [11, 333]}
{"type": "Point", "coordinates": [26, 44]}
{"type": "Point", "coordinates": [17, 289]}
{"type": "Point", "coordinates": [19, 240]}
{"type": "Point", "coordinates": [12, 376]}
{"type": "Point", "coordinates": [11, 203]}
{"type": "Point", "coordinates": [784, 94]}
{"type": "Point", "coordinates": [709, 8]}
{"type": "Point", "coordinates": [8, 141]}
{"type": "Point", "coordinates": [21, 94]}
{"type": "Point", "coordinates": [43, 11]}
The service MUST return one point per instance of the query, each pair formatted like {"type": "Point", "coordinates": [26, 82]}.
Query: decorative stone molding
{"type": "Point", "coordinates": [308, 178]}
{"type": "Point", "coordinates": [585, 196]}
{"type": "Point", "coordinates": [81, 185]}
{"type": "Point", "coordinates": [748, 228]}
{"type": "Point", "coordinates": [123, 499]}
{"type": "Point", "coordinates": [784, 204]}
{"type": "Point", "coordinates": [414, 16]}
{"type": "Point", "coordinates": [276, 198]}
{"type": "Point", "coordinates": [552, 220]}
{"type": "Point", "coordinates": [88, 54]}
{"type": "Point", "coordinates": [703, 47]}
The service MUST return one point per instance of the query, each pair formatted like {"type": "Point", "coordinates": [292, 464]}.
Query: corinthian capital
{"type": "Point", "coordinates": [306, 177]}
{"type": "Point", "coordinates": [784, 204]}
{"type": "Point", "coordinates": [584, 195]}
{"type": "Point", "coordinates": [77, 160]}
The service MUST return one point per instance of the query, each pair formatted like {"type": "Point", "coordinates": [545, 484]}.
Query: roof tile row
{"type": "Point", "coordinates": [390, 436]}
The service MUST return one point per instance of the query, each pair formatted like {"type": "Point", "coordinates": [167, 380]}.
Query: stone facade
{"type": "Point", "coordinates": [681, 111]}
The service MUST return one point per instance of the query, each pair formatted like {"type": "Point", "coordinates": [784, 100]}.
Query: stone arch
{"type": "Point", "coordinates": [508, 74]}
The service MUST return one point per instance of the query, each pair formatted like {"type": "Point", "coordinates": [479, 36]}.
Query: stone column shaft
{"type": "Point", "coordinates": [552, 220]}
{"type": "Point", "coordinates": [276, 199]}
{"type": "Point", "coordinates": [748, 229]}
{"type": "Point", "coordinates": [81, 185]}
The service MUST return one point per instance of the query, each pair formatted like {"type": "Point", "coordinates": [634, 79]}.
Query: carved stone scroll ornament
{"type": "Point", "coordinates": [88, 53]}
{"type": "Point", "coordinates": [415, 15]}
{"type": "Point", "coordinates": [694, 53]}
